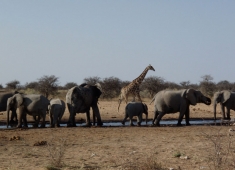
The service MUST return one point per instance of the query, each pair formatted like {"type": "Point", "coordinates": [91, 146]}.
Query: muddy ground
{"type": "Point", "coordinates": [186, 147]}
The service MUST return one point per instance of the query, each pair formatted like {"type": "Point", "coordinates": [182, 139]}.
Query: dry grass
{"type": "Point", "coordinates": [56, 148]}
{"type": "Point", "coordinates": [221, 150]}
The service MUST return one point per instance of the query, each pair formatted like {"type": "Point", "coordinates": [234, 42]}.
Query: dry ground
{"type": "Point", "coordinates": [116, 147]}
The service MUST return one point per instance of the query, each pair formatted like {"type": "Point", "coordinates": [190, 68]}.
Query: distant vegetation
{"type": "Point", "coordinates": [49, 85]}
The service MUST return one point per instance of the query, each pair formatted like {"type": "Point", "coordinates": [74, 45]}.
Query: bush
{"type": "Point", "coordinates": [48, 85]}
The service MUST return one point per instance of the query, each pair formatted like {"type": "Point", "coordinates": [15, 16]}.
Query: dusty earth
{"type": "Point", "coordinates": [146, 147]}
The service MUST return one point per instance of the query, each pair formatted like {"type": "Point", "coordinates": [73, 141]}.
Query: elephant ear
{"type": "Point", "coordinates": [225, 96]}
{"type": "Point", "coordinates": [18, 99]}
{"type": "Point", "coordinates": [98, 90]}
{"type": "Point", "coordinates": [190, 95]}
{"type": "Point", "coordinates": [145, 107]}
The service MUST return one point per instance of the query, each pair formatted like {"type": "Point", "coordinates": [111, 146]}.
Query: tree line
{"type": "Point", "coordinates": [49, 85]}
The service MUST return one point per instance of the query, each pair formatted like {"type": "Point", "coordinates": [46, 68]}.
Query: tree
{"type": "Point", "coordinates": [1, 87]}
{"type": "Point", "coordinates": [207, 78]}
{"type": "Point", "coordinates": [185, 84]}
{"type": "Point", "coordinates": [92, 80]}
{"type": "Point", "coordinates": [124, 83]}
{"type": "Point", "coordinates": [153, 84]}
{"type": "Point", "coordinates": [224, 85]}
{"type": "Point", "coordinates": [172, 85]}
{"type": "Point", "coordinates": [207, 87]}
{"type": "Point", "coordinates": [48, 85]}
{"type": "Point", "coordinates": [111, 87]}
{"type": "Point", "coordinates": [31, 85]}
{"type": "Point", "coordinates": [12, 84]}
{"type": "Point", "coordinates": [69, 85]}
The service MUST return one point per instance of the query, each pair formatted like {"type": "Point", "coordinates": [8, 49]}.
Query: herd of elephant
{"type": "Point", "coordinates": [80, 99]}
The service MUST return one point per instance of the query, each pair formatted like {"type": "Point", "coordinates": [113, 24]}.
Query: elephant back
{"type": "Point", "coordinates": [3, 100]}
{"type": "Point", "coordinates": [74, 93]}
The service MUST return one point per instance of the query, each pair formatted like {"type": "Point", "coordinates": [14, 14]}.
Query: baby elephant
{"type": "Point", "coordinates": [135, 109]}
{"type": "Point", "coordinates": [56, 111]}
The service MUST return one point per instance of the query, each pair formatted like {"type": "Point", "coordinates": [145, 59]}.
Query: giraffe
{"type": "Point", "coordinates": [133, 87]}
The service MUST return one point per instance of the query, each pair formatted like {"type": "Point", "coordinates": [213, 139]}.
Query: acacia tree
{"type": "Point", "coordinates": [207, 87]}
{"type": "Point", "coordinates": [48, 85]}
{"type": "Point", "coordinates": [12, 84]}
{"type": "Point", "coordinates": [224, 85]}
{"type": "Point", "coordinates": [172, 85]}
{"type": "Point", "coordinates": [153, 84]}
{"type": "Point", "coordinates": [111, 87]}
{"type": "Point", "coordinates": [185, 84]}
{"type": "Point", "coordinates": [31, 85]}
{"type": "Point", "coordinates": [92, 80]}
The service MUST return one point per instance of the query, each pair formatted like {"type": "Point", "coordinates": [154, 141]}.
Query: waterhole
{"type": "Point", "coordinates": [149, 123]}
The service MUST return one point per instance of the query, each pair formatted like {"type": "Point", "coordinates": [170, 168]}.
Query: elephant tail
{"type": "Point", "coordinates": [152, 99]}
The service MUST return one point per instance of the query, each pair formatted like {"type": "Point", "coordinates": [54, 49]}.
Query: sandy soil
{"type": "Point", "coordinates": [117, 147]}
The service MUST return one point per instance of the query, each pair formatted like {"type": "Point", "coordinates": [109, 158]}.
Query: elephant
{"type": "Point", "coordinates": [172, 101]}
{"type": "Point", "coordinates": [56, 111]}
{"type": "Point", "coordinates": [35, 105]}
{"type": "Point", "coordinates": [226, 99]}
{"type": "Point", "coordinates": [79, 99]}
{"type": "Point", "coordinates": [135, 109]}
{"type": "Point", "coordinates": [3, 105]}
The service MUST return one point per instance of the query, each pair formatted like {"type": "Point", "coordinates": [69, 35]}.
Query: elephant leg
{"type": "Point", "coordinates": [56, 119]}
{"type": "Point", "coordinates": [187, 117]}
{"type": "Point", "coordinates": [124, 120]}
{"type": "Point", "coordinates": [13, 116]}
{"type": "Point", "coordinates": [183, 110]}
{"type": "Point", "coordinates": [155, 117]}
{"type": "Point", "coordinates": [24, 117]}
{"type": "Point", "coordinates": [71, 122]}
{"type": "Point", "coordinates": [51, 118]}
{"type": "Point", "coordinates": [223, 111]}
{"type": "Point", "coordinates": [20, 118]}
{"type": "Point", "coordinates": [159, 117]}
{"type": "Point", "coordinates": [94, 118]}
{"type": "Point", "coordinates": [60, 117]}
{"type": "Point", "coordinates": [43, 124]}
{"type": "Point", "coordinates": [139, 120]}
{"type": "Point", "coordinates": [96, 112]}
{"type": "Point", "coordinates": [88, 120]}
{"type": "Point", "coordinates": [52, 121]}
{"type": "Point", "coordinates": [36, 121]}
{"type": "Point", "coordinates": [131, 121]}
{"type": "Point", "coordinates": [228, 113]}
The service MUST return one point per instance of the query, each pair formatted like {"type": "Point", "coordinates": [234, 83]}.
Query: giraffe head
{"type": "Point", "coordinates": [150, 67]}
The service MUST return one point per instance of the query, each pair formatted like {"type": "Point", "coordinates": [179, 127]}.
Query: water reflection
{"type": "Point", "coordinates": [149, 123]}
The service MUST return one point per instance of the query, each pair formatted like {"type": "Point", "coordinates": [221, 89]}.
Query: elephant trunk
{"type": "Point", "coordinates": [8, 110]}
{"type": "Point", "coordinates": [146, 119]}
{"type": "Point", "coordinates": [215, 103]}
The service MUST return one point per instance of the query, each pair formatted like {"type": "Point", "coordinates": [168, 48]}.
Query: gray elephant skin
{"type": "Point", "coordinates": [171, 101]}
{"type": "Point", "coordinates": [135, 109]}
{"type": "Point", "coordinates": [79, 99]}
{"type": "Point", "coordinates": [226, 99]}
{"type": "Point", "coordinates": [31, 104]}
{"type": "Point", "coordinates": [3, 105]}
{"type": "Point", "coordinates": [56, 111]}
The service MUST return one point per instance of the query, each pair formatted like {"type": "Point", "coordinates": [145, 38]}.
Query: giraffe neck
{"type": "Point", "coordinates": [141, 77]}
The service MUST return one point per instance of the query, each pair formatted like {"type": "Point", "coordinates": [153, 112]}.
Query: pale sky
{"type": "Point", "coordinates": [75, 39]}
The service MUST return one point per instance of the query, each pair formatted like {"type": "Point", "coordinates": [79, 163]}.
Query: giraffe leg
{"type": "Point", "coordinates": [138, 95]}
{"type": "Point", "coordinates": [126, 99]}
{"type": "Point", "coordinates": [133, 99]}
{"type": "Point", "coordinates": [119, 102]}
